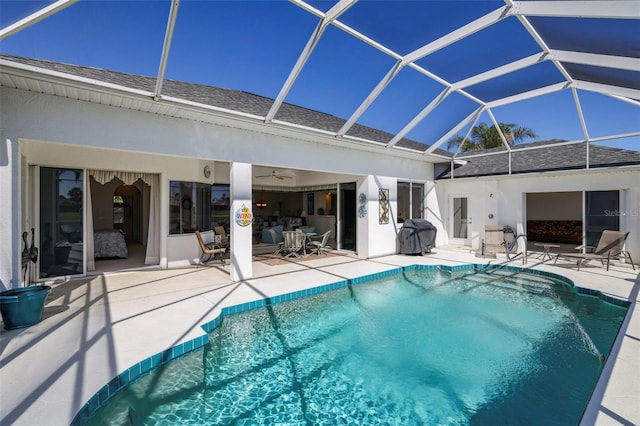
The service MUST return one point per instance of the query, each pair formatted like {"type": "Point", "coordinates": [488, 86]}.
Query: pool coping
{"type": "Point", "coordinates": [145, 366]}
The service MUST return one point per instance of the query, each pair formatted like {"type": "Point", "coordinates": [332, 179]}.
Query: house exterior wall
{"type": "Point", "coordinates": [53, 131]}
{"type": "Point", "coordinates": [375, 238]}
{"type": "Point", "coordinates": [509, 195]}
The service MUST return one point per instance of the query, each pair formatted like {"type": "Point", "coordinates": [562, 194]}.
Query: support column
{"type": "Point", "coordinates": [241, 235]}
{"type": "Point", "coordinates": [9, 214]}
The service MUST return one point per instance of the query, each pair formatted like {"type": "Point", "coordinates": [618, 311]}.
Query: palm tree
{"type": "Point", "coordinates": [485, 137]}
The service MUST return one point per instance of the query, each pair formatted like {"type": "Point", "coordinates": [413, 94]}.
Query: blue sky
{"type": "Point", "coordinates": [252, 46]}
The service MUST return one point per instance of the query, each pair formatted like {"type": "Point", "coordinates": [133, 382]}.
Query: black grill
{"type": "Point", "coordinates": [417, 236]}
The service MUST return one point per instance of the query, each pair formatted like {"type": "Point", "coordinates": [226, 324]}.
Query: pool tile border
{"type": "Point", "coordinates": [143, 367]}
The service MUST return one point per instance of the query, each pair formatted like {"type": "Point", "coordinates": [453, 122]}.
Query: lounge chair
{"type": "Point", "coordinates": [209, 247]}
{"type": "Point", "coordinates": [611, 245]}
{"type": "Point", "coordinates": [318, 243]}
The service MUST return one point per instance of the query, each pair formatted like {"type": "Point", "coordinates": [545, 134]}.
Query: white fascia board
{"type": "Point", "coordinates": [606, 61]}
{"type": "Point", "coordinates": [55, 77]}
{"type": "Point", "coordinates": [69, 80]}
{"type": "Point", "coordinates": [607, 89]}
{"type": "Point", "coordinates": [208, 109]}
{"type": "Point", "coordinates": [347, 141]}
{"type": "Point", "coordinates": [610, 9]}
{"type": "Point", "coordinates": [499, 71]}
{"type": "Point", "coordinates": [456, 35]}
{"type": "Point", "coordinates": [35, 17]}
{"type": "Point", "coordinates": [528, 95]}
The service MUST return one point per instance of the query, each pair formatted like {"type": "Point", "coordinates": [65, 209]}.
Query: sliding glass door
{"type": "Point", "coordinates": [61, 230]}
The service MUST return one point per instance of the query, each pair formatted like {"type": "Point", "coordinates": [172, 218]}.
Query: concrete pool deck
{"type": "Point", "coordinates": [98, 326]}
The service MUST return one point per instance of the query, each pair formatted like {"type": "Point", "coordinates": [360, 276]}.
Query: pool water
{"type": "Point", "coordinates": [419, 347]}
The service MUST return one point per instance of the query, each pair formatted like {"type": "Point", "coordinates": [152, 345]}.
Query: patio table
{"type": "Point", "coordinates": [546, 248]}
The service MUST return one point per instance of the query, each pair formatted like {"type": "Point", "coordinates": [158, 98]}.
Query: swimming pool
{"type": "Point", "coordinates": [416, 347]}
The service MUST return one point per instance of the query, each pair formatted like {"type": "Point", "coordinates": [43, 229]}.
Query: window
{"type": "Point", "coordinates": [197, 206]}
{"type": "Point", "coordinates": [417, 201]}
{"type": "Point", "coordinates": [410, 201]}
{"type": "Point", "coordinates": [118, 210]}
{"type": "Point", "coordinates": [601, 213]}
{"type": "Point", "coordinates": [220, 206]}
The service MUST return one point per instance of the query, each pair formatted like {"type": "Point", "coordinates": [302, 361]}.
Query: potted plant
{"type": "Point", "coordinates": [23, 306]}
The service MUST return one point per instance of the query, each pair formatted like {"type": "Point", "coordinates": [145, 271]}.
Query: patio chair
{"type": "Point", "coordinates": [611, 245]}
{"type": "Point", "coordinates": [224, 240]}
{"type": "Point", "coordinates": [208, 246]}
{"type": "Point", "coordinates": [493, 241]}
{"type": "Point", "coordinates": [293, 243]}
{"type": "Point", "coordinates": [318, 243]}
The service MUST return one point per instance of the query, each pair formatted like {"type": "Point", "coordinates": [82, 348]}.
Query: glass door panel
{"type": "Point", "coordinates": [347, 219]}
{"type": "Point", "coordinates": [61, 222]}
{"type": "Point", "coordinates": [460, 220]}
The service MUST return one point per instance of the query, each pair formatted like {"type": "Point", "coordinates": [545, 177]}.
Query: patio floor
{"type": "Point", "coordinates": [96, 327]}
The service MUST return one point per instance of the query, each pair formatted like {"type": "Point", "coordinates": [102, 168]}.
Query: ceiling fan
{"type": "Point", "coordinates": [274, 174]}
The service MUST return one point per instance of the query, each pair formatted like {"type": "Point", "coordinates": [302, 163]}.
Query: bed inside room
{"type": "Point", "coordinates": [120, 224]}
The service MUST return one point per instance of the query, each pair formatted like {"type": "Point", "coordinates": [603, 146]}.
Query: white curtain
{"type": "Point", "coordinates": [91, 262]}
{"type": "Point", "coordinates": [152, 256]}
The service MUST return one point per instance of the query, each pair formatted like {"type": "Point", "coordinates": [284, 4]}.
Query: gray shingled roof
{"type": "Point", "coordinates": [552, 158]}
{"type": "Point", "coordinates": [235, 100]}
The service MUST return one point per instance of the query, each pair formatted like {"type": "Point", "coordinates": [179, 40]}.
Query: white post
{"type": "Point", "coordinates": [9, 214]}
{"type": "Point", "coordinates": [241, 235]}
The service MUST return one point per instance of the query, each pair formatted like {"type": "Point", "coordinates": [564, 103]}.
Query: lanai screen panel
{"type": "Point", "coordinates": [268, 49]}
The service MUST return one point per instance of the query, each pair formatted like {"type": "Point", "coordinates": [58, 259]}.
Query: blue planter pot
{"type": "Point", "coordinates": [22, 307]}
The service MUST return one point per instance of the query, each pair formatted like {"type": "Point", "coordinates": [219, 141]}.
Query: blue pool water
{"type": "Point", "coordinates": [419, 347]}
